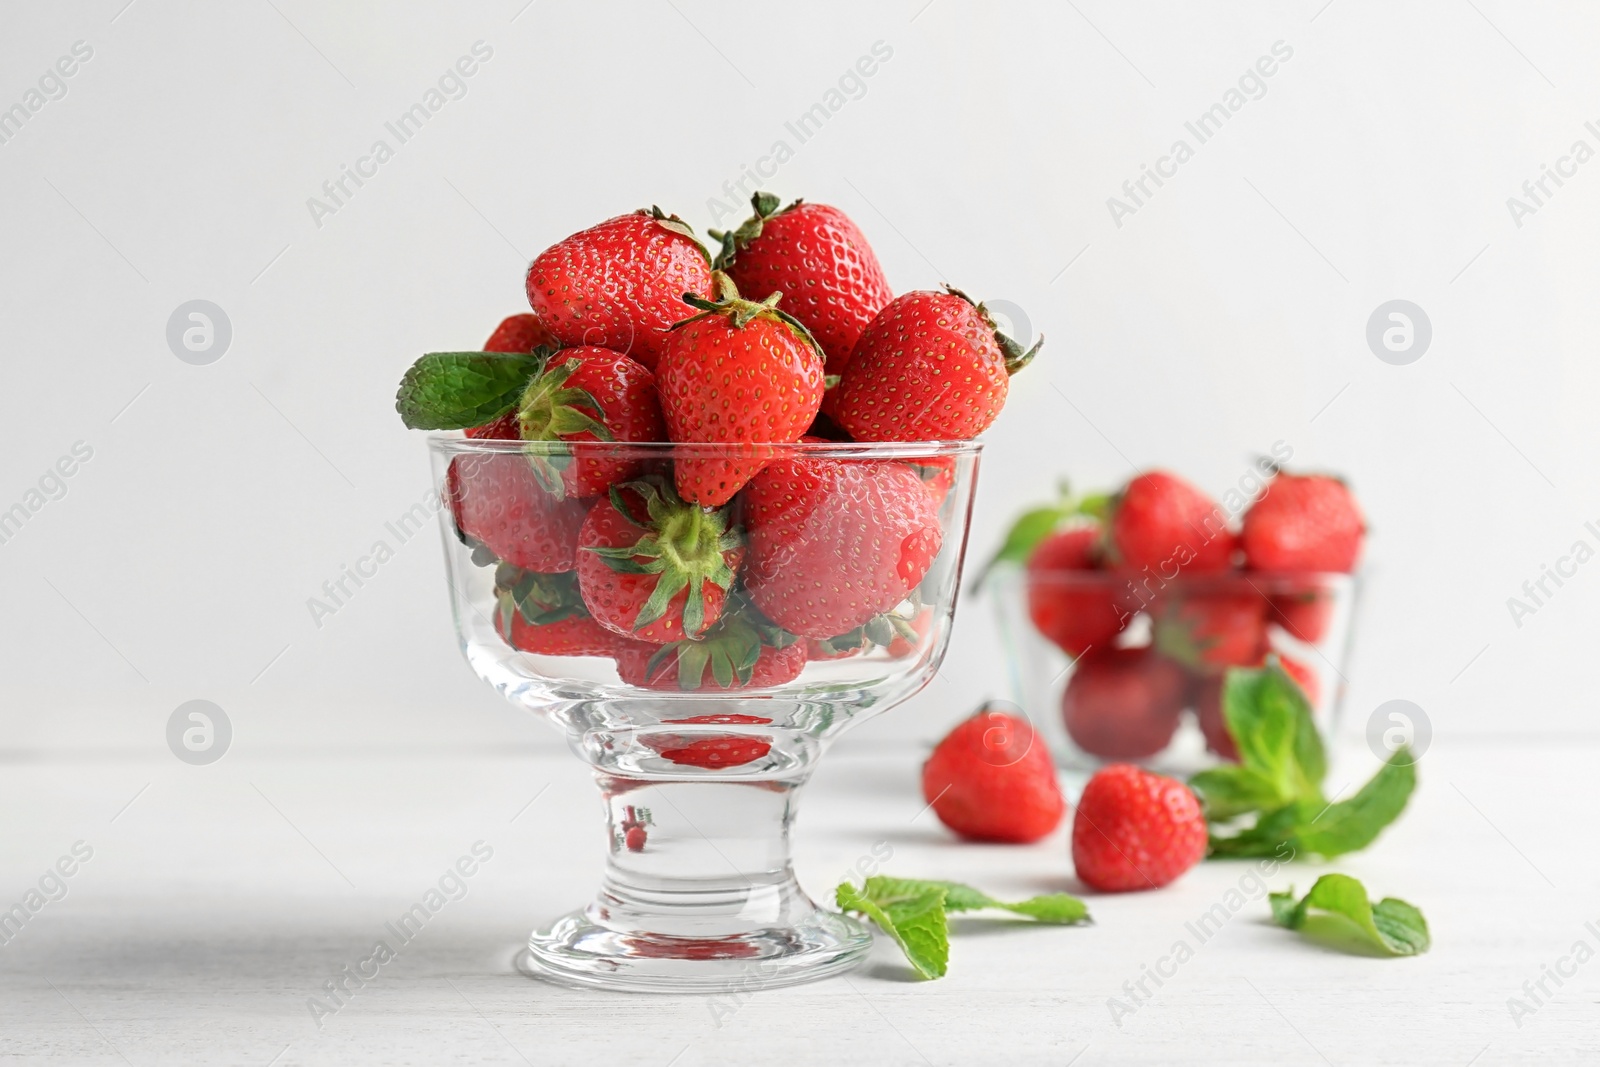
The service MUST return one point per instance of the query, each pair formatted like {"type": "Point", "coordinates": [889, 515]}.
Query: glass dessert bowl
{"type": "Point", "coordinates": [700, 659]}
{"type": "Point", "coordinates": [1151, 694]}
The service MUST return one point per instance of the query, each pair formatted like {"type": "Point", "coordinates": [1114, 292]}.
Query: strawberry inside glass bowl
{"type": "Point", "coordinates": [700, 658]}
{"type": "Point", "coordinates": [1129, 668]}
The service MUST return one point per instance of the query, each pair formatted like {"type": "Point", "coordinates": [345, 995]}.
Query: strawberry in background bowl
{"type": "Point", "coordinates": [1121, 612]}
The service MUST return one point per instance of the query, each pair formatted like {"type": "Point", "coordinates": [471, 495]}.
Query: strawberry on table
{"type": "Point", "coordinates": [929, 367]}
{"type": "Point", "coordinates": [992, 779]}
{"type": "Point", "coordinates": [652, 567]}
{"type": "Point", "coordinates": [619, 284]}
{"type": "Point", "coordinates": [1072, 600]}
{"type": "Point", "coordinates": [1162, 523]}
{"type": "Point", "coordinates": [1303, 522]}
{"type": "Point", "coordinates": [589, 394]}
{"type": "Point", "coordinates": [738, 373]}
{"type": "Point", "coordinates": [1124, 703]}
{"type": "Point", "coordinates": [1135, 830]}
{"type": "Point", "coordinates": [497, 501]}
{"type": "Point", "coordinates": [835, 543]}
{"type": "Point", "coordinates": [821, 263]}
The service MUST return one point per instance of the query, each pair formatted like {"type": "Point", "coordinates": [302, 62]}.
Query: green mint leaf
{"type": "Point", "coordinates": [1270, 720]}
{"type": "Point", "coordinates": [1231, 790]}
{"type": "Point", "coordinates": [1338, 914]}
{"type": "Point", "coordinates": [1049, 908]}
{"type": "Point", "coordinates": [917, 924]}
{"type": "Point", "coordinates": [1351, 825]}
{"type": "Point", "coordinates": [455, 390]}
{"type": "Point", "coordinates": [1310, 827]}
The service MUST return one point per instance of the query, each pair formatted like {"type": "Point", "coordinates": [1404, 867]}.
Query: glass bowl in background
{"type": "Point", "coordinates": [1151, 694]}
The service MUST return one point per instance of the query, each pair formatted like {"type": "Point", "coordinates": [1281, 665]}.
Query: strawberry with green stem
{"type": "Point", "coordinates": [740, 373]}
{"type": "Point", "coordinates": [588, 394]}
{"type": "Point", "coordinates": [819, 260]}
{"type": "Point", "coordinates": [929, 367]}
{"type": "Point", "coordinates": [653, 567]}
{"type": "Point", "coordinates": [516, 333]}
{"type": "Point", "coordinates": [739, 652]}
{"type": "Point", "coordinates": [544, 614]}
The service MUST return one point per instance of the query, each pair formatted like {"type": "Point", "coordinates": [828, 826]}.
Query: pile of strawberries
{"type": "Point", "coordinates": [1214, 593]}
{"type": "Point", "coordinates": [726, 562]}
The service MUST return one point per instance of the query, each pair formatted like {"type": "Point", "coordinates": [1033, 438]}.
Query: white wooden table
{"type": "Point", "coordinates": [218, 900]}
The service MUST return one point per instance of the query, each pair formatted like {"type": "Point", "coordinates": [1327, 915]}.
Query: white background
{"type": "Point", "coordinates": [1229, 312]}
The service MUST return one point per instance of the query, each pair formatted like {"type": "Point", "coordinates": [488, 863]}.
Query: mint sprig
{"type": "Point", "coordinates": [915, 913]}
{"type": "Point", "coordinates": [1279, 777]}
{"type": "Point", "coordinates": [1337, 913]}
{"type": "Point", "coordinates": [455, 390]}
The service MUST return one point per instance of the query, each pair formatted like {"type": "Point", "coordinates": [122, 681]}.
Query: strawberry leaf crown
{"type": "Point", "coordinates": [683, 545]}
{"type": "Point", "coordinates": [730, 650]}
{"type": "Point", "coordinates": [1016, 356]}
{"type": "Point", "coordinates": [540, 599]}
{"type": "Point", "coordinates": [550, 410]}
{"type": "Point", "coordinates": [765, 206]}
{"type": "Point", "coordinates": [458, 390]}
{"type": "Point", "coordinates": [741, 312]}
{"type": "Point", "coordinates": [675, 225]}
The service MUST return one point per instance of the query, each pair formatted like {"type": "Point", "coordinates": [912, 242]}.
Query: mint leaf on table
{"type": "Point", "coordinates": [915, 913]}
{"type": "Point", "coordinates": [455, 390]}
{"type": "Point", "coordinates": [1049, 908]}
{"type": "Point", "coordinates": [1337, 913]}
{"type": "Point", "coordinates": [917, 924]}
{"type": "Point", "coordinates": [1279, 778]}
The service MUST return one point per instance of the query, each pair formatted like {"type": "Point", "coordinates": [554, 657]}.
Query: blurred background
{"type": "Point", "coordinates": [155, 154]}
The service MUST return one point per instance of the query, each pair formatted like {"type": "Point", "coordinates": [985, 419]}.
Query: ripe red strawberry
{"type": "Point", "coordinates": [1208, 704]}
{"type": "Point", "coordinates": [711, 750]}
{"type": "Point", "coordinates": [520, 333]}
{"type": "Point", "coordinates": [1162, 524]}
{"type": "Point", "coordinates": [834, 543]}
{"type": "Point", "coordinates": [992, 779]}
{"type": "Point", "coordinates": [1305, 612]}
{"type": "Point", "coordinates": [577, 635]}
{"type": "Point", "coordinates": [1135, 830]}
{"type": "Point", "coordinates": [1124, 703]}
{"type": "Point", "coordinates": [544, 614]}
{"type": "Point", "coordinates": [938, 473]}
{"type": "Point", "coordinates": [619, 284]}
{"type": "Point", "coordinates": [733, 654]}
{"type": "Point", "coordinates": [737, 373]}
{"type": "Point", "coordinates": [821, 263]}
{"type": "Point", "coordinates": [516, 333]}
{"type": "Point", "coordinates": [652, 567]}
{"type": "Point", "coordinates": [589, 394]}
{"type": "Point", "coordinates": [635, 838]}
{"type": "Point", "coordinates": [1213, 628]}
{"type": "Point", "coordinates": [497, 501]}
{"type": "Point", "coordinates": [1303, 522]}
{"type": "Point", "coordinates": [929, 367]}
{"type": "Point", "coordinates": [1071, 600]}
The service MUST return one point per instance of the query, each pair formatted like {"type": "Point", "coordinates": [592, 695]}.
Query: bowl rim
{"type": "Point", "coordinates": [456, 443]}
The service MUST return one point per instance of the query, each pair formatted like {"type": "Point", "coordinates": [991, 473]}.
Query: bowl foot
{"type": "Point", "coordinates": [581, 949]}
